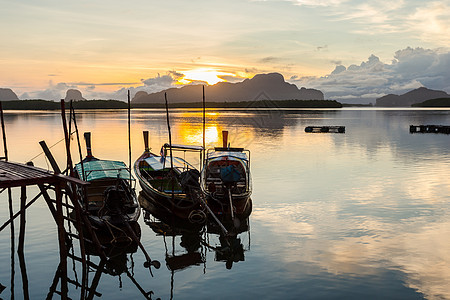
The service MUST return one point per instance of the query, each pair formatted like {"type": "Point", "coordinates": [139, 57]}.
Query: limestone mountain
{"type": "Point", "coordinates": [406, 100]}
{"type": "Point", "coordinates": [270, 86]}
{"type": "Point", "coordinates": [74, 95]}
{"type": "Point", "coordinates": [7, 95]}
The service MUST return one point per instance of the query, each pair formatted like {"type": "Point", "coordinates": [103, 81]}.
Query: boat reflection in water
{"type": "Point", "coordinates": [197, 235]}
{"type": "Point", "coordinates": [117, 263]}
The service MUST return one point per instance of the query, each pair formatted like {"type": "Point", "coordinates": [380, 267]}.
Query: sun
{"type": "Point", "coordinates": [210, 76]}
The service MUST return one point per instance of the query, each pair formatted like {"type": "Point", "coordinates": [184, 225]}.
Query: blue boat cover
{"type": "Point", "coordinates": [229, 174]}
{"type": "Point", "coordinates": [103, 169]}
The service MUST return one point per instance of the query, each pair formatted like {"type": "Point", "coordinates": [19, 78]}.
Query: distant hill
{"type": "Point", "coordinates": [270, 86]}
{"type": "Point", "coordinates": [7, 95]}
{"type": "Point", "coordinates": [73, 94]}
{"type": "Point", "coordinates": [440, 102]}
{"type": "Point", "coordinates": [248, 104]}
{"type": "Point", "coordinates": [410, 98]}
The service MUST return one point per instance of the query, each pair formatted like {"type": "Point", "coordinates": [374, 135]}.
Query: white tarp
{"type": "Point", "coordinates": [161, 162]}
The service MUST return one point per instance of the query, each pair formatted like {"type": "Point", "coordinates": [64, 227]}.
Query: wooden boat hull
{"type": "Point", "coordinates": [242, 207]}
{"type": "Point", "coordinates": [226, 175]}
{"type": "Point", "coordinates": [179, 202]}
{"type": "Point", "coordinates": [110, 200]}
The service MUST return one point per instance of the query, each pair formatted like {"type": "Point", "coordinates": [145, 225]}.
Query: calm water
{"type": "Point", "coordinates": [360, 215]}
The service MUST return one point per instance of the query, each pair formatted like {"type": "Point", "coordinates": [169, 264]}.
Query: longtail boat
{"type": "Point", "coordinates": [169, 181]}
{"type": "Point", "coordinates": [226, 180]}
{"type": "Point", "coordinates": [110, 199]}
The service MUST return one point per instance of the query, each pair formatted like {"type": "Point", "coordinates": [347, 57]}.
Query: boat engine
{"type": "Point", "coordinates": [113, 200]}
{"type": "Point", "coordinates": [190, 179]}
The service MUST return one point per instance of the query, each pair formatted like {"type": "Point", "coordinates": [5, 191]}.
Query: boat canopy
{"type": "Point", "coordinates": [163, 162]}
{"type": "Point", "coordinates": [103, 169]}
{"type": "Point", "coordinates": [230, 154]}
{"type": "Point", "coordinates": [184, 147]}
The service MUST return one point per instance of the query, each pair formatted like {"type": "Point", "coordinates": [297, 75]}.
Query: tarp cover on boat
{"type": "Point", "coordinates": [229, 174]}
{"type": "Point", "coordinates": [159, 163]}
{"type": "Point", "coordinates": [230, 154]}
{"type": "Point", "coordinates": [103, 169]}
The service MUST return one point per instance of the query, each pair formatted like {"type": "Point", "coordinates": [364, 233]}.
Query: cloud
{"type": "Point", "coordinates": [269, 59]}
{"type": "Point", "coordinates": [432, 21]}
{"type": "Point", "coordinates": [54, 92]}
{"type": "Point", "coordinates": [232, 79]}
{"type": "Point", "coordinates": [410, 68]}
{"type": "Point", "coordinates": [317, 2]}
{"type": "Point", "coordinates": [165, 81]}
{"type": "Point", "coordinates": [322, 48]}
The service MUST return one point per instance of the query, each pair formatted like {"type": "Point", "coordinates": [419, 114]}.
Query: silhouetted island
{"type": "Point", "coordinates": [406, 100]}
{"type": "Point", "coordinates": [440, 102]}
{"type": "Point", "coordinates": [270, 86]}
{"type": "Point", "coordinates": [7, 95]}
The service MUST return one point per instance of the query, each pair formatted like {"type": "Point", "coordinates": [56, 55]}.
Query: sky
{"type": "Point", "coordinates": [353, 51]}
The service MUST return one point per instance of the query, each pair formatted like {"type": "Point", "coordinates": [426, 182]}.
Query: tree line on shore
{"type": "Point", "coordinates": [116, 104]}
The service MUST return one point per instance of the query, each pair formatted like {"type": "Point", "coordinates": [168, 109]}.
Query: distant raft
{"type": "Point", "coordinates": [332, 129]}
{"type": "Point", "coordinates": [429, 129]}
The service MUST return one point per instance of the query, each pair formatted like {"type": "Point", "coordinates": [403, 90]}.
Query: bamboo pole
{"type": "Point", "coordinates": [12, 217]}
{"type": "Point", "coordinates": [170, 148]}
{"type": "Point", "coordinates": [50, 157]}
{"type": "Point", "coordinates": [204, 127]}
{"type": "Point", "coordinates": [12, 242]}
{"type": "Point", "coordinates": [129, 136]}
{"type": "Point", "coordinates": [21, 246]}
{"type": "Point", "coordinates": [73, 188]}
{"type": "Point", "coordinates": [66, 138]}
{"type": "Point", "coordinates": [62, 242]}
{"type": "Point", "coordinates": [5, 148]}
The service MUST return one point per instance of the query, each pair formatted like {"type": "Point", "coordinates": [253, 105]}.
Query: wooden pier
{"type": "Point", "coordinates": [429, 129]}
{"type": "Point", "coordinates": [18, 175]}
{"type": "Point", "coordinates": [325, 129]}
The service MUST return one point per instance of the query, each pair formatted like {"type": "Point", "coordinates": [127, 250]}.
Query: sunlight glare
{"type": "Point", "coordinates": [210, 76]}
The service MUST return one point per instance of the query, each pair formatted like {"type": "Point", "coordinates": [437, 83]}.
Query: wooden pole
{"type": "Point", "coordinates": [224, 138]}
{"type": "Point", "coordinates": [204, 125]}
{"type": "Point", "coordinates": [72, 113]}
{"type": "Point", "coordinates": [96, 279]}
{"type": "Point", "coordinates": [21, 246]}
{"type": "Point", "coordinates": [129, 136]}
{"type": "Point", "coordinates": [50, 157]}
{"type": "Point", "coordinates": [12, 241]}
{"type": "Point", "coordinates": [62, 242]}
{"type": "Point", "coordinates": [146, 147]}
{"type": "Point", "coordinates": [66, 138]}
{"type": "Point", "coordinates": [12, 217]}
{"type": "Point", "coordinates": [73, 187]}
{"type": "Point", "coordinates": [170, 134]}
{"type": "Point", "coordinates": [170, 148]}
{"type": "Point", "coordinates": [3, 132]}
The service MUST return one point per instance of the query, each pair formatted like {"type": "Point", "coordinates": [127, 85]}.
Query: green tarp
{"type": "Point", "coordinates": [103, 169]}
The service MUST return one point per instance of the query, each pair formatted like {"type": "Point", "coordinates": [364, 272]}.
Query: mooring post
{"type": "Point", "coordinates": [96, 279]}
{"type": "Point", "coordinates": [11, 217]}
{"type": "Point", "coordinates": [21, 246]}
{"type": "Point", "coordinates": [50, 157]}
{"type": "Point", "coordinates": [62, 241]}
{"type": "Point", "coordinates": [73, 187]}
{"type": "Point", "coordinates": [66, 137]}
{"type": "Point", "coordinates": [3, 132]}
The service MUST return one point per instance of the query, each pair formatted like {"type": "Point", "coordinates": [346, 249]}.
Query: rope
{"type": "Point", "coordinates": [50, 147]}
{"type": "Point", "coordinates": [197, 216]}
{"type": "Point", "coordinates": [115, 239]}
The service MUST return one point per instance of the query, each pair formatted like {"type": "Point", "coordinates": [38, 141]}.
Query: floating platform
{"type": "Point", "coordinates": [332, 129]}
{"type": "Point", "coordinates": [429, 129]}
